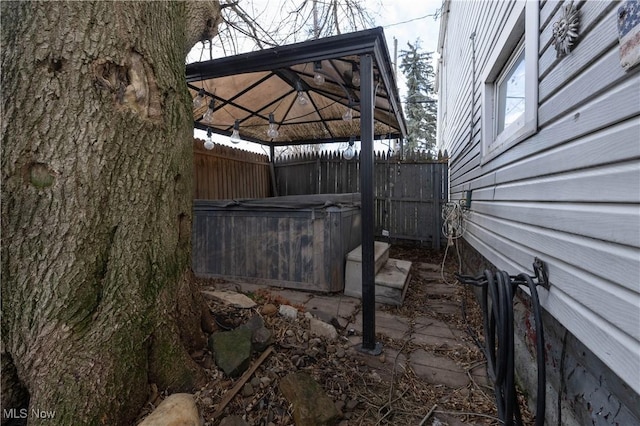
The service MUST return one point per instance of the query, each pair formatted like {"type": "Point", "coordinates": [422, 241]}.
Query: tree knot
{"type": "Point", "coordinates": [132, 85]}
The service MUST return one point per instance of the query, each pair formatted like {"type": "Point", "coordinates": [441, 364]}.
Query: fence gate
{"type": "Point", "coordinates": [409, 193]}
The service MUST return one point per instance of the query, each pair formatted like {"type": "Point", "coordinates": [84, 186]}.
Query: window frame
{"type": "Point", "coordinates": [521, 27]}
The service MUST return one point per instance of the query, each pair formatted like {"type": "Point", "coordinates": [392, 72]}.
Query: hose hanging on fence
{"type": "Point", "coordinates": [498, 291]}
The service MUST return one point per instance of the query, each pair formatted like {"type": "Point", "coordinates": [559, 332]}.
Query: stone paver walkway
{"type": "Point", "coordinates": [424, 331]}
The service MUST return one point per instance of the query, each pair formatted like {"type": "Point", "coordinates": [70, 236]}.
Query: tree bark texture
{"type": "Point", "coordinates": [96, 206]}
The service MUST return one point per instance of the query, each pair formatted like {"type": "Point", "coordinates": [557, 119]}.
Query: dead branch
{"type": "Point", "coordinates": [247, 374]}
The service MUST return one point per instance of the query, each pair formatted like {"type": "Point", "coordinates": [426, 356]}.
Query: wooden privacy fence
{"type": "Point", "coordinates": [409, 193]}
{"type": "Point", "coordinates": [226, 173]}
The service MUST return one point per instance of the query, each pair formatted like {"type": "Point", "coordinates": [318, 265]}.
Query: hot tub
{"type": "Point", "coordinates": [298, 241]}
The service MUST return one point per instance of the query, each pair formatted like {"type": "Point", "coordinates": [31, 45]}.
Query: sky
{"type": "Point", "coordinates": [402, 20]}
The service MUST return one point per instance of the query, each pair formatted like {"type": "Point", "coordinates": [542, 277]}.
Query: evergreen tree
{"type": "Point", "coordinates": [421, 108]}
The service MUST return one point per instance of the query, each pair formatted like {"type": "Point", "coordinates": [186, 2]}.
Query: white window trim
{"type": "Point", "coordinates": [524, 19]}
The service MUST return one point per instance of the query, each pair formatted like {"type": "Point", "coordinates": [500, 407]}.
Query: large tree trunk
{"type": "Point", "coordinates": [96, 206]}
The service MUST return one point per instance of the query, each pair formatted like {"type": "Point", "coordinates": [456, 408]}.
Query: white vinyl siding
{"type": "Point", "coordinates": [569, 192]}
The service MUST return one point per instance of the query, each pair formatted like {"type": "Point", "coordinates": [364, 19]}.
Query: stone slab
{"type": "Point", "coordinates": [479, 374]}
{"type": "Point", "coordinates": [389, 295]}
{"type": "Point", "coordinates": [444, 307]}
{"type": "Point", "coordinates": [297, 298]}
{"type": "Point", "coordinates": [429, 267]}
{"type": "Point", "coordinates": [437, 369]}
{"type": "Point", "coordinates": [339, 305]}
{"type": "Point", "coordinates": [231, 298]}
{"type": "Point", "coordinates": [432, 332]}
{"type": "Point", "coordinates": [430, 276]}
{"type": "Point", "coordinates": [388, 365]}
{"type": "Point", "coordinates": [353, 268]}
{"type": "Point", "coordinates": [434, 339]}
{"type": "Point", "coordinates": [393, 274]}
{"type": "Point", "coordinates": [391, 283]}
{"type": "Point", "coordinates": [311, 405]}
{"type": "Point", "coordinates": [435, 327]}
{"type": "Point", "coordinates": [439, 289]}
{"type": "Point", "coordinates": [388, 324]}
{"type": "Point", "coordinates": [380, 252]}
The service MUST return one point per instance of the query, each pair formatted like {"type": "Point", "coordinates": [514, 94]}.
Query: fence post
{"type": "Point", "coordinates": [272, 171]}
{"type": "Point", "coordinates": [318, 172]}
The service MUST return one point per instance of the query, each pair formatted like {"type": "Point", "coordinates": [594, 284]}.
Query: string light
{"type": "Point", "coordinates": [348, 114]}
{"type": "Point", "coordinates": [273, 130]}
{"type": "Point", "coordinates": [355, 75]}
{"type": "Point", "coordinates": [197, 101]}
{"type": "Point", "coordinates": [235, 135]}
{"type": "Point", "coordinates": [208, 116]}
{"type": "Point", "coordinates": [318, 78]}
{"type": "Point", "coordinates": [302, 98]}
{"type": "Point", "coordinates": [349, 153]}
{"type": "Point", "coordinates": [208, 143]}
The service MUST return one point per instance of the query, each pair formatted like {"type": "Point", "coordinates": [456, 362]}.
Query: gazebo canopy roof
{"type": "Point", "coordinates": [249, 87]}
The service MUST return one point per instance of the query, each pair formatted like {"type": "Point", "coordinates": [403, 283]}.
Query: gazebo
{"type": "Point", "coordinates": [335, 89]}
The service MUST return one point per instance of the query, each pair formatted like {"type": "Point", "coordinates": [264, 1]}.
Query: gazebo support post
{"type": "Point", "coordinates": [369, 344]}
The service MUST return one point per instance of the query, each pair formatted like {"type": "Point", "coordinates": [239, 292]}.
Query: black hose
{"type": "Point", "coordinates": [498, 291]}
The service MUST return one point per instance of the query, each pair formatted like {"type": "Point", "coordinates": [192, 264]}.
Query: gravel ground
{"type": "Point", "coordinates": [363, 394]}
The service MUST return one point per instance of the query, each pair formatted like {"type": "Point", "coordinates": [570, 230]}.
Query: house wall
{"type": "Point", "coordinates": [569, 193]}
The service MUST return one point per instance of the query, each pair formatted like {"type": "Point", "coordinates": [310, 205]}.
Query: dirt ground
{"type": "Point", "coordinates": [363, 397]}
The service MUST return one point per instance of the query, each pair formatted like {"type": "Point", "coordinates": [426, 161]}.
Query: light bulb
{"type": "Point", "coordinates": [273, 129]}
{"type": "Point", "coordinates": [355, 78]}
{"type": "Point", "coordinates": [197, 101]}
{"type": "Point", "coordinates": [272, 132]}
{"type": "Point", "coordinates": [348, 115]}
{"type": "Point", "coordinates": [302, 99]}
{"type": "Point", "coordinates": [208, 116]}
{"type": "Point", "coordinates": [208, 143]}
{"type": "Point", "coordinates": [318, 78]}
{"type": "Point", "coordinates": [235, 135]}
{"type": "Point", "coordinates": [348, 153]}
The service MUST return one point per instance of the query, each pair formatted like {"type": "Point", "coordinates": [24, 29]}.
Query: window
{"type": "Point", "coordinates": [510, 95]}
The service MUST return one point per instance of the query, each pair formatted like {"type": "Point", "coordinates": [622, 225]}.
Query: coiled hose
{"type": "Point", "coordinates": [498, 291]}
